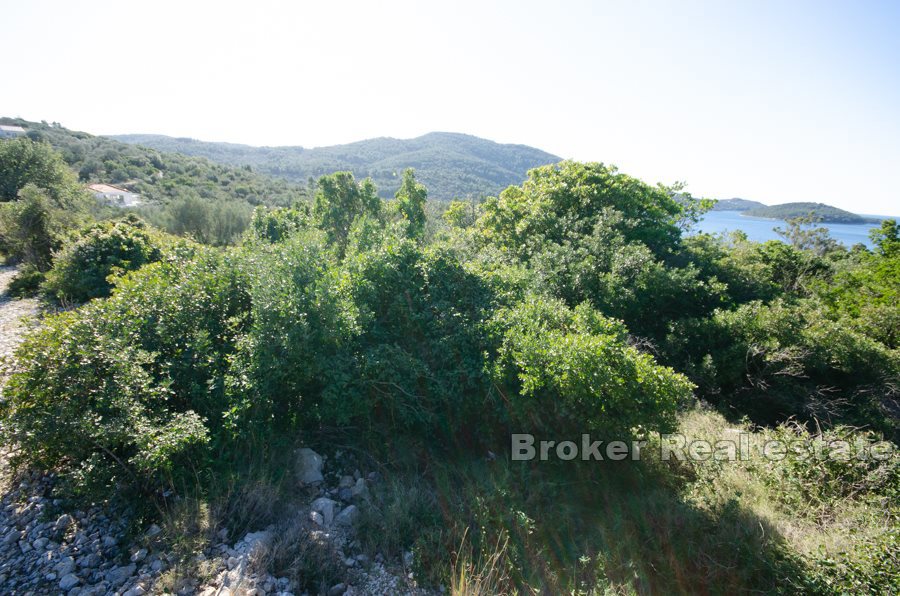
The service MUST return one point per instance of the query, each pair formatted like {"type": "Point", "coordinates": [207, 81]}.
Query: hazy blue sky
{"type": "Point", "coordinates": [774, 101]}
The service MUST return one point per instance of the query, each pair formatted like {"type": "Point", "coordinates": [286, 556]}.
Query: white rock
{"type": "Point", "coordinates": [309, 466]}
{"type": "Point", "coordinates": [360, 488]}
{"type": "Point", "coordinates": [63, 521]}
{"type": "Point", "coordinates": [325, 506]}
{"type": "Point", "coordinates": [347, 517]}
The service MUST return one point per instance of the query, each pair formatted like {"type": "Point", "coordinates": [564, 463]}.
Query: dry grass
{"type": "Point", "coordinates": [483, 575]}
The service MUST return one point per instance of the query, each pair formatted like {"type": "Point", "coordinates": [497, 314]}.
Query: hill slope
{"type": "Point", "coordinates": [737, 205]}
{"type": "Point", "coordinates": [826, 213]}
{"type": "Point", "coordinates": [157, 175]}
{"type": "Point", "coordinates": [451, 165]}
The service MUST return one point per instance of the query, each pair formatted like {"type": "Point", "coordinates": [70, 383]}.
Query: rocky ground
{"type": "Point", "coordinates": [48, 547]}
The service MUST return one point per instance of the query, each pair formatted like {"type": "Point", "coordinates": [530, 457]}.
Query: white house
{"type": "Point", "coordinates": [114, 195]}
{"type": "Point", "coordinates": [9, 132]}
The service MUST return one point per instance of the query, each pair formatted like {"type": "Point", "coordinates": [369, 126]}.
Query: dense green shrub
{"type": "Point", "coordinates": [562, 202]}
{"type": "Point", "coordinates": [275, 225]}
{"type": "Point", "coordinates": [787, 359]}
{"type": "Point", "coordinates": [214, 222]}
{"type": "Point", "coordinates": [31, 228]}
{"type": "Point", "coordinates": [139, 379]}
{"type": "Point", "coordinates": [419, 355]}
{"type": "Point", "coordinates": [82, 269]}
{"type": "Point", "coordinates": [573, 369]}
{"type": "Point", "coordinates": [86, 405]}
{"type": "Point", "coordinates": [300, 325]}
{"type": "Point", "coordinates": [24, 162]}
{"type": "Point", "coordinates": [26, 283]}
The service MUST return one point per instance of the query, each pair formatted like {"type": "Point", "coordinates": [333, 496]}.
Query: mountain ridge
{"type": "Point", "coordinates": [450, 164]}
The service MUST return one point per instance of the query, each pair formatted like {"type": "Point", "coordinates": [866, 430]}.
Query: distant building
{"type": "Point", "coordinates": [9, 132]}
{"type": "Point", "coordinates": [114, 195]}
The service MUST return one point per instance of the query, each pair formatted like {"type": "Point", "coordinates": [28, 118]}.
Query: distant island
{"type": "Point", "coordinates": [737, 205]}
{"type": "Point", "coordinates": [825, 213]}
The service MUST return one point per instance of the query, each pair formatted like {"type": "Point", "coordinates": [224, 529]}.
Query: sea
{"type": "Point", "coordinates": [762, 229]}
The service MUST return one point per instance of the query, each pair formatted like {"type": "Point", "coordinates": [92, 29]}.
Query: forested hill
{"type": "Point", "coordinates": [826, 213]}
{"type": "Point", "coordinates": [159, 176]}
{"type": "Point", "coordinates": [450, 165]}
{"type": "Point", "coordinates": [737, 205]}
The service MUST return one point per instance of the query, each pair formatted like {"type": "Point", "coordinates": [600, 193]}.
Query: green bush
{"type": "Point", "coordinates": [27, 282]}
{"type": "Point", "coordinates": [82, 269]}
{"type": "Point", "coordinates": [85, 404]}
{"type": "Point", "coordinates": [786, 359]}
{"type": "Point", "coordinates": [573, 369]}
{"type": "Point", "coordinates": [275, 225]}
{"type": "Point", "coordinates": [31, 228]}
{"type": "Point", "coordinates": [125, 389]}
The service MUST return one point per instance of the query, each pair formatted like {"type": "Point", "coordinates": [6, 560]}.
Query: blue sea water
{"type": "Point", "coordinates": [760, 229]}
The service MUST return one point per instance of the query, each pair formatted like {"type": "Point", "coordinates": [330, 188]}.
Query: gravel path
{"type": "Point", "coordinates": [16, 317]}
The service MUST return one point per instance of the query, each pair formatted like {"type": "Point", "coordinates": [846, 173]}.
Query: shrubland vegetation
{"type": "Point", "coordinates": [451, 165]}
{"type": "Point", "coordinates": [573, 303]}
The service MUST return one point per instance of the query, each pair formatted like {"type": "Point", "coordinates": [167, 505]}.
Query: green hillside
{"type": "Point", "coordinates": [737, 205]}
{"type": "Point", "coordinates": [826, 213]}
{"type": "Point", "coordinates": [158, 176]}
{"type": "Point", "coordinates": [451, 165]}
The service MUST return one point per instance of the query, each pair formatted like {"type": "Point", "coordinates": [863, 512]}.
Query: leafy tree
{"type": "Point", "coordinates": [802, 234]}
{"type": "Point", "coordinates": [570, 199]}
{"type": "Point", "coordinates": [461, 214]}
{"type": "Point", "coordinates": [31, 228]}
{"type": "Point", "coordinates": [23, 162]}
{"type": "Point", "coordinates": [887, 238]}
{"type": "Point", "coordinates": [411, 197]}
{"type": "Point", "coordinates": [276, 225]}
{"type": "Point", "coordinates": [339, 200]}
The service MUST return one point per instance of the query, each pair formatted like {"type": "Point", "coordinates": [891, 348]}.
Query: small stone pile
{"type": "Point", "coordinates": [330, 517]}
{"type": "Point", "coordinates": [78, 553]}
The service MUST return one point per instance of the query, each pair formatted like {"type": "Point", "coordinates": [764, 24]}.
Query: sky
{"type": "Point", "coordinates": [767, 100]}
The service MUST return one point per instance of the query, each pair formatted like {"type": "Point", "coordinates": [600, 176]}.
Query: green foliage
{"type": "Point", "coordinates": [83, 267]}
{"type": "Point", "coordinates": [410, 202]}
{"type": "Point", "coordinates": [27, 282]}
{"type": "Point", "coordinates": [159, 177]}
{"type": "Point", "coordinates": [24, 162]}
{"type": "Point", "coordinates": [564, 306]}
{"type": "Point", "coordinates": [572, 369]}
{"type": "Point", "coordinates": [781, 360]}
{"type": "Point", "coordinates": [419, 355]}
{"type": "Point", "coordinates": [461, 214]}
{"type": "Point", "coordinates": [86, 405]}
{"type": "Point", "coordinates": [31, 228]}
{"type": "Point", "coordinates": [300, 323]}
{"type": "Point", "coordinates": [451, 165]}
{"type": "Point", "coordinates": [339, 201]}
{"type": "Point", "coordinates": [275, 225]}
{"type": "Point", "coordinates": [214, 222]}
{"type": "Point", "coordinates": [887, 238]}
{"type": "Point", "coordinates": [558, 203]}
{"type": "Point", "coordinates": [801, 234]}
